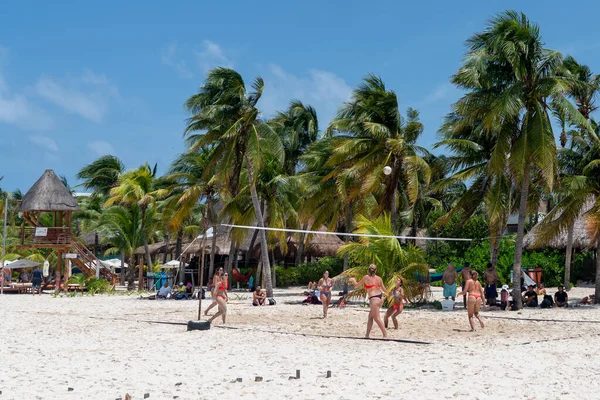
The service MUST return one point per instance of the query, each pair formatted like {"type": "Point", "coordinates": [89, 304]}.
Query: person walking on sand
{"type": "Point", "coordinates": [36, 280]}
{"type": "Point", "coordinates": [375, 291]}
{"type": "Point", "coordinates": [325, 284]}
{"type": "Point", "coordinates": [465, 275]}
{"type": "Point", "coordinates": [491, 278]}
{"type": "Point", "coordinates": [476, 299]}
{"type": "Point", "coordinates": [397, 305]}
{"type": "Point", "coordinates": [221, 299]}
{"type": "Point", "coordinates": [449, 282]}
{"type": "Point", "coordinates": [213, 289]}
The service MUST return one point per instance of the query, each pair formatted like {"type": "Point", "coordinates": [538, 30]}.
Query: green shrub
{"type": "Point", "coordinates": [309, 272]}
{"type": "Point", "coordinates": [286, 276]}
{"type": "Point", "coordinates": [98, 285]}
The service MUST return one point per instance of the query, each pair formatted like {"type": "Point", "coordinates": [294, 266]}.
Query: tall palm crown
{"type": "Point", "coordinates": [510, 79]}
{"type": "Point", "coordinates": [230, 124]}
{"type": "Point", "coordinates": [298, 127]}
{"type": "Point", "coordinates": [370, 133]}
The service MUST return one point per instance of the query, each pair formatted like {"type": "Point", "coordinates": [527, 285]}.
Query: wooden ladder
{"type": "Point", "coordinates": [88, 262]}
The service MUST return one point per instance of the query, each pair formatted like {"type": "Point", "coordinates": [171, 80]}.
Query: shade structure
{"type": "Point", "coordinates": [172, 265]}
{"type": "Point", "coordinates": [113, 263]}
{"type": "Point", "coordinates": [48, 194]}
{"type": "Point", "coordinates": [18, 264]}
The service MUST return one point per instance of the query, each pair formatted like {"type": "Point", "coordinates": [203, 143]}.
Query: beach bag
{"type": "Point", "coordinates": [272, 301]}
{"type": "Point", "coordinates": [547, 302]}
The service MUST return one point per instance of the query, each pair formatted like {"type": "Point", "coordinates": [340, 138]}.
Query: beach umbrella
{"type": "Point", "coordinates": [113, 263]}
{"type": "Point", "coordinates": [172, 264]}
{"type": "Point", "coordinates": [18, 264]}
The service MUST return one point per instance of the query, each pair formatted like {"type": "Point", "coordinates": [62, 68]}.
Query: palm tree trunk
{"type": "Point", "coordinates": [141, 275]}
{"type": "Point", "coordinates": [168, 243]}
{"type": "Point", "coordinates": [251, 249]}
{"type": "Point", "coordinates": [495, 249]}
{"type": "Point", "coordinates": [274, 278]}
{"type": "Point", "coordinates": [300, 248]}
{"type": "Point", "coordinates": [597, 291]}
{"type": "Point", "coordinates": [230, 260]}
{"type": "Point", "coordinates": [131, 272]}
{"type": "Point", "coordinates": [262, 234]}
{"type": "Point", "coordinates": [348, 224]}
{"type": "Point", "coordinates": [145, 241]}
{"type": "Point", "coordinates": [213, 245]}
{"type": "Point", "coordinates": [517, 271]}
{"type": "Point", "coordinates": [568, 256]}
{"type": "Point", "coordinates": [122, 274]}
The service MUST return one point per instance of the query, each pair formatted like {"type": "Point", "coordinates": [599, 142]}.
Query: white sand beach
{"type": "Point", "coordinates": [101, 347]}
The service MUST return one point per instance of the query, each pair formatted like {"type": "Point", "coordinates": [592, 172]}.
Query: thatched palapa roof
{"type": "Point", "coordinates": [319, 245]}
{"type": "Point", "coordinates": [155, 248]}
{"type": "Point", "coordinates": [581, 239]}
{"type": "Point", "coordinates": [48, 194]}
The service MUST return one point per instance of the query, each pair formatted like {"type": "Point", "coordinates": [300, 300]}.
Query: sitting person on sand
{"type": "Point", "coordinates": [504, 297]}
{"type": "Point", "coordinates": [164, 292]}
{"type": "Point", "coordinates": [561, 297]}
{"type": "Point", "coordinates": [530, 298]}
{"type": "Point", "coordinates": [541, 289]}
{"type": "Point", "coordinates": [257, 297]}
{"type": "Point", "coordinates": [588, 299]}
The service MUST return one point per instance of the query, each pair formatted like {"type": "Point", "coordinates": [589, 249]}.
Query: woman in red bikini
{"type": "Point", "coordinates": [325, 284]}
{"type": "Point", "coordinates": [375, 291]}
{"type": "Point", "coordinates": [213, 289]}
{"type": "Point", "coordinates": [397, 306]}
{"type": "Point", "coordinates": [221, 298]}
{"type": "Point", "coordinates": [475, 300]}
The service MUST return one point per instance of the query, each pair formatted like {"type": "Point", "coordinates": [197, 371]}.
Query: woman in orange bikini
{"type": "Point", "coordinates": [325, 284]}
{"type": "Point", "coordinates": [375, 291]}
{"type": "Point", "coordinates": [475, 300]}
{"type": "Point", "coordinates": [397, 306]}
{"type": "Point", "coordinates": [221, 299]}
{"type": "Point", "coordinates": [213, 289]}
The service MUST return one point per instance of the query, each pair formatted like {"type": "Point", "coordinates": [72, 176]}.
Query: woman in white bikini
{"type": "Point", "coordinates": [375, 292]}
{"type": "Point", "coordinates": [325, 284]}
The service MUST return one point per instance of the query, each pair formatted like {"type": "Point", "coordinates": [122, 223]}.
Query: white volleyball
{"type": "Point", "coordinates": [387, 170]}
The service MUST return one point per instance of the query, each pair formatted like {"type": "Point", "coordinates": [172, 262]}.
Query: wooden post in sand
{"type": "Point", "coordinates": [201, 271]}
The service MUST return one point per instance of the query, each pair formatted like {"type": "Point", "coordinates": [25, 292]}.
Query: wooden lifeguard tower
{"type": "Point", "coordinates": [49, 195]}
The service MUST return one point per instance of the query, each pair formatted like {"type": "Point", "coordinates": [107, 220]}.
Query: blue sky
{"type": "Point", "coordinates": [79, 79]}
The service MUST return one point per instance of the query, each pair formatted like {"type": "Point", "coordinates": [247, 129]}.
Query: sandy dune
{"type": "Point", "coordinates": [101, 348]}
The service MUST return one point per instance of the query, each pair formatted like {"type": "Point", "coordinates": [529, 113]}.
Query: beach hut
{"type": "Point", "coordinates": [50, 196]}
{"type": "Point", "coordinates": [581, 239]}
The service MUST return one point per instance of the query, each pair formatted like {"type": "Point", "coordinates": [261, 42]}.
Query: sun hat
{"type": "Point", "coordinates": [505, 287]}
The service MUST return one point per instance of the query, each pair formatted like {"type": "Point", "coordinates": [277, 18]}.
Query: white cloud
{"type": "Point", "coordinates": [323, 90]}
{"type": "Point", "coordinates": [169, 57]}
{"type": "Point", "coordinates": [101, 148]}
{"type": "Point", "coordinates": [212, 56]}
{"type": "Point", "coordinates": [44, 141]}
{"type": "Point", "coordinates": [87, 96]}
{"type": "Point", "coordinates": [16, 109]}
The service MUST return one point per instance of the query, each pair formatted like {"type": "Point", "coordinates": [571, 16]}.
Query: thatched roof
{"type": "Point", "coordinates": [581, 240]}
{"type": "Point", "coordinates": [319, 245]}
{"type": "Point", "coordinates": [223, 243]}
{"type": "Point", "coordinates": [48, 194]}
{"type": "Point", "coordinates": [155, 248]}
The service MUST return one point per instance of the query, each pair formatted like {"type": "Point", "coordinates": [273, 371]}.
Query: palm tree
{"type": "Point", "coordinates": [188, 185]}
{"type": "Point", "coordinates": [122, 228]}
{"type": "Point", "coordinates": [509, 77]}
{"type": "Point", "coordinates": [137, 188]}
{"type": "Point", "coordinates": [370, 133]}
{"type": "Point", "coordinates": [298, 128]}
{"type": "Point", "coordinates": [583, 91]}
{"type": "Point", "coordinates": [225, 114]}
{"type": "Point", "coordinates": [102, 174]}
{"type": "Point", "coordinates": [392, 260]}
